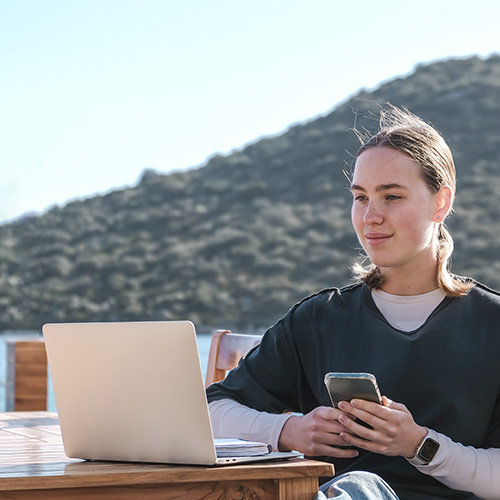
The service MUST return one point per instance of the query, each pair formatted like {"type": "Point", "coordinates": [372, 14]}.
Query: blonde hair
{"type": "Point", "coordinates": [403, 131]}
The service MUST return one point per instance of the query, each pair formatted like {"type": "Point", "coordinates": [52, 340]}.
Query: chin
{"type": "Point", "coordinates": [383, 263]}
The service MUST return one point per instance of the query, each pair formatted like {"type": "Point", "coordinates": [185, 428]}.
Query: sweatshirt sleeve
{"type": "Point", "coordinates": [464, 468]}
{"type": "Point", "coordinates": [234, 420]}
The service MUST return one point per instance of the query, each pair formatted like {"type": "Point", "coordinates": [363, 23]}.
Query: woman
{"type": "Point", "coordinates": [430, 338]}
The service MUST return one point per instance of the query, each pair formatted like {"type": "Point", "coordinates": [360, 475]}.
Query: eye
{"type": "Point", "coordinates": [360, 197]}
{"type": "Point", "coordinates": [392, 197]}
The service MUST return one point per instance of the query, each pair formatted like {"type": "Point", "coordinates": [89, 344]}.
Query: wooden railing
{"type": "Point", "coordinates": [26, 388]}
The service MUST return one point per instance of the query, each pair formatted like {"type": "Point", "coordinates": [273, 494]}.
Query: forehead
{"type": "Point", "coordinates": [383, 165]}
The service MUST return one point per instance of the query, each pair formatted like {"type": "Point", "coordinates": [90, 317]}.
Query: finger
{"type": "Point", "coordinates": [367, 438]}
{"type": "Point", "coordinates": [344, 451]}
{"type": "Point", "coordinates": [381, 417]}
{"type": "Point", "coordinates": [379, 410]}
{"type": "Point", "coordinates": [369, 413]}
{"type": "Point", "coordinates": [330, 439]}
{"type": "Point", "coordinates": [357, 429]}
{"type": "Point", "coordinates": [359, 442]}
{"type": "Point", "coordinates": [331, 429]}
{"type": "Point", "coordinates": [328, 412]}
{"type": "Point", "coordinates": [369, 407]}
{"type": "Point", "coordinates": [328, 434]}
{"type": "Point", "coordinates": [323, 429]}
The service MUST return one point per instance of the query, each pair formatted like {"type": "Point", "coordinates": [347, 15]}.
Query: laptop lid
{"type": "Point", "coordinates": [132, 391]}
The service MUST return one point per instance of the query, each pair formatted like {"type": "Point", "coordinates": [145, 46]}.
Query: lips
{"type": "Point", "coordinates": [377, 238]}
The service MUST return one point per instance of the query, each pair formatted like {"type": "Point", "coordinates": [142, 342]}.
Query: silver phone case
{"type": "Point", "coordinates": [347, 386]}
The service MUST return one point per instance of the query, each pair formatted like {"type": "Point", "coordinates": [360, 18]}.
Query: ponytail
{"type": "Point", "coordinates": [449, 284]}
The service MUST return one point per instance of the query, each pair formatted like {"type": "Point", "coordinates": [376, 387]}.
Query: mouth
{"type": "Point", "coordinates": [374, 239]}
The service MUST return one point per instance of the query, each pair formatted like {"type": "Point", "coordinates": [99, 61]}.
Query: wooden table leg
{"type": "Point", "coordinates": [301, 488]}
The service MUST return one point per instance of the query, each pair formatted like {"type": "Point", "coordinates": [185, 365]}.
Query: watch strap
{"type": "Point", "coordinates": [426, 450]}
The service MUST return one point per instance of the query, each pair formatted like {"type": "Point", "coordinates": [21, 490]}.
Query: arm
{"type": "Point", "coordinates": [464, 467]}
{"type": "Point", "coordinates": [395, 433]}
{"type": "Point", "coordinates": [234, 420]}
{"type": "Point", "coordinates": [316, 433]}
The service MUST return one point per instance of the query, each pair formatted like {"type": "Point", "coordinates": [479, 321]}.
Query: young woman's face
{"type": "Point", "coordinates": [394, 211]}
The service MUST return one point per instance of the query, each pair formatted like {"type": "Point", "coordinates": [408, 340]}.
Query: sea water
{"type": "Point", "coordinates": [203, 341]}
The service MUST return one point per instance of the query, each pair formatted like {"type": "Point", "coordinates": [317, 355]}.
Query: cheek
{"type": "Point", "coordinates": [356, 218]}
{"type": "Point", "coordinates": [428, 233]}
{"type": "Point", "coordinates": [420, 232]}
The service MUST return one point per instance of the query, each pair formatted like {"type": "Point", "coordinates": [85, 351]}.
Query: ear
{"type": "Point", "coordinates": [444, 200]}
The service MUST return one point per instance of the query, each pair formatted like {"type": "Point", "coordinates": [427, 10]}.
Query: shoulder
{"type": "Point", "coordinates": [330, 300]}
{"type": "Point", "coordinates": [320, 314]}
{"type": "Point", "coordinates": [484, 289]}
{"type": "Point", "coordinates": [334, 294]}
{"type": "Point", "coordinates": [480, 299]}
{"type": "Point", "coordinates": [478, 289]}
{"type": "Point", "coordinates": [484, 293]}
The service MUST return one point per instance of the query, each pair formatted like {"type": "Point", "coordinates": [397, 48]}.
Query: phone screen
{"type": "Point", "coordinates": [347, 386]}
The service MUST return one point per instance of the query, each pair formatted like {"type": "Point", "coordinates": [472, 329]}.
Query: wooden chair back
{"type": "Point", "coordinates": [226, 350]}
{"type": "Point", "coordinates": [26, 388]}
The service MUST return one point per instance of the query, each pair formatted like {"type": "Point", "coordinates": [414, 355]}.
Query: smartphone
{"type": "Point", "coordinates": [347, 386]}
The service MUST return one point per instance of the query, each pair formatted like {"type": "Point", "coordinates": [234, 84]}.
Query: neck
{"type": "Point", "coordinates": [414, 282]}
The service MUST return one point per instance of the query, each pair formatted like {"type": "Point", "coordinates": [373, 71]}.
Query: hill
{"type": "Point", "coordinates": [236, 242]}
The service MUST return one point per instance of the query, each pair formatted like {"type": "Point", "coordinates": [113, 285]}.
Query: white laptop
{"type": "Point", "coordinates": [133, 392]}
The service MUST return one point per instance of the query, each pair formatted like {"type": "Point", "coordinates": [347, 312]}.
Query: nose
{"type": "Point", "coordinates": [373, 214]}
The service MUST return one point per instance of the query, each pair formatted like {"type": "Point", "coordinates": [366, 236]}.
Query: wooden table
{"type": "Point", "coordinates": [33, 465]}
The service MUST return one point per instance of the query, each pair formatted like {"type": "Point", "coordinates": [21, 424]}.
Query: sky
{"type": "Point", "coordinates": [92, 92]}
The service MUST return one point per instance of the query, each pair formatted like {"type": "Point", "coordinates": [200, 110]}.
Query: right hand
{"type": "Point", "coordinates": [316, 434]}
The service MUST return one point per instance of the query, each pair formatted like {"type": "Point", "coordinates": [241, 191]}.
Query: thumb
{"type": "Point", "coordinates": [389, 403]}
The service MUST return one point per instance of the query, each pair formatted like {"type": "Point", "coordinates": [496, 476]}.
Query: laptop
{"type": "Point", "coordinates": [133, 391]}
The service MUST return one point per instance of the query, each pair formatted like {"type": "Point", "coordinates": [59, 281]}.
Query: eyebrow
{"type": "Point", "coordinates": [380, 187]}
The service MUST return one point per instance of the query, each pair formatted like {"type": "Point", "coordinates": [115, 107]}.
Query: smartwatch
{"type": "Point", "coordinates": [427, 450]}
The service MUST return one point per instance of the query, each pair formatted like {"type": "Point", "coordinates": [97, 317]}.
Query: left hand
{"type": "Point", "coordinates": [393, 433]}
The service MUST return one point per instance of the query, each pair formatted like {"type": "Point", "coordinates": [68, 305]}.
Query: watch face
{"type": "Point", "coordinates": [428, 450]}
